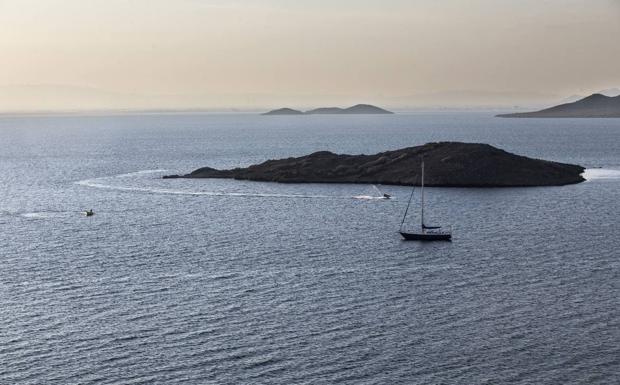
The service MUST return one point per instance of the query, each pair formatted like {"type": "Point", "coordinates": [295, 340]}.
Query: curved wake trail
{"type": "Point", "coordinates": [100, 183]}
{"type": "Point", "coordinates": [135, 173]}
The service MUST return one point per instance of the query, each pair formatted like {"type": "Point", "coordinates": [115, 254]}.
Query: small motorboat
{"type": "Point", "coordinates": [89, 213]}
{"type": "Point", "coordinates": [381, 193]}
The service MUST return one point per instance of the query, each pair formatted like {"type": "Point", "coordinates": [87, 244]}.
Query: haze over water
{"type": "Point", "coordinates": [229, 282]}
{"type": "Point", "coordinates": [221, 54]}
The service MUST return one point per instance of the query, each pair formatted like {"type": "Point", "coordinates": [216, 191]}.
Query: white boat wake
{"type": "Point", "coordinates": [38, 215]}
{"type": "Point", "coordinates": [369, 197]}
{"type": "Point", "coordinates": [135, 173]}
{"type": "Point", "coordinates": [601, 173]}
{"type": "Point", "coordinates": [46, 214]}
{"type": "Point", "coordinates": [100, 183]}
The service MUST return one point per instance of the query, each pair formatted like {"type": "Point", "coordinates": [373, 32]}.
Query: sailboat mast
{"type": "Point", "coordinates": [422, 195]}
{"type": "Point", "coordinates": [407, 209]}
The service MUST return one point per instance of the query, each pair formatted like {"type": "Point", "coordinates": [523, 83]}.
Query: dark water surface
{"type": "Point", "coordinates": [228, 282]}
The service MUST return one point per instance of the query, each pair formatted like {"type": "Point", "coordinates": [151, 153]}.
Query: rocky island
{"type": "Point", "coordinates": [448, 164]}
{"type": "Point", "coordinates": [354, 110]}
{"type": "Point", "coordinates": [284, 111]}
{"type": "Point", "coordinates": [594, 106]}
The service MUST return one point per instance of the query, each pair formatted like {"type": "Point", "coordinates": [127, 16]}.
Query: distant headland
{"type": "Point", "coordinates": [593, 106]}
{"type": "Point", "coordinates": [357, 109]}
{"type": "Point", "coordinates": [448, 164]}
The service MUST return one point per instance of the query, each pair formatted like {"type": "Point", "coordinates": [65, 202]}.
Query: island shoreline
{"type": "Point", "coordinates": [450, 164]}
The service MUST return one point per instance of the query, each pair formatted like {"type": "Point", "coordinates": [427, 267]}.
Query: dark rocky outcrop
{"type": "Point", "coordinates": [448, 164]}
{"type": "Point", "coordinates": [594, 106]}
{"type": "Point", "coordinates": [357, 109]}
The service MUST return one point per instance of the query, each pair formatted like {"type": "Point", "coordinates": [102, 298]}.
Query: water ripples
{"type": "Point", "coordinates": [233, 282]}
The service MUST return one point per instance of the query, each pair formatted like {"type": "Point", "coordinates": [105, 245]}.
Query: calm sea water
{"type": "Point", "coordinates": [230, 282]}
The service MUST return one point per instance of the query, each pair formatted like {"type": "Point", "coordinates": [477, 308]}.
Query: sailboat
{"type": "Point", "coordinates": [426, 233]}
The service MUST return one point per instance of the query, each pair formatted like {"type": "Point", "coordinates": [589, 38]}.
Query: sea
{"type": "Point", "coordinates": [234, 282]}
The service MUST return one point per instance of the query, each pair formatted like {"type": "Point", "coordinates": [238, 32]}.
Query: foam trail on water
{"type": "Point", "coordinates": [34, 215]}
{"type": "Point", "coordinates": [90, 183]}
{"type": "Point", "coordinates": [601, 173]}
{"type": "Point", "coordinates": [142, 172]}
{"type": "Point", "coordinates": [45, 214]}
{"type": "Point", "coordinates": [368, 197]}
{"type": "Point", "coordinates": [98, 183]}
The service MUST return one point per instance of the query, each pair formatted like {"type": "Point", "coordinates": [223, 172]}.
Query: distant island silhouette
{"type": "Point", "coordinates": [593, 106]}
{"type": "Point", "coordinates": [448, 164]}
{"type": "Point", "coordinates": [284, 111]}
{"type": "Point", "coordinates": [357, 109]}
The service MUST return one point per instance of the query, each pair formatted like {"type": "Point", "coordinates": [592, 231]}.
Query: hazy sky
{"type": "Point", "coordinates": [83, 54]}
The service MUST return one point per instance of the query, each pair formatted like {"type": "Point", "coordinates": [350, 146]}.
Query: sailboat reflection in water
{"type": "Point", "coordinates": [426, 233]}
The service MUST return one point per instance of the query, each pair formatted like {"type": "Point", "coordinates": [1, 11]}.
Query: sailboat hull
{"type": "Point", "coordinates": [427, 236]}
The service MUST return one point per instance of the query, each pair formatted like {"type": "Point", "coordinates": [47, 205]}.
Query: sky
{"type": "Point", "coordinates": [255, 54]}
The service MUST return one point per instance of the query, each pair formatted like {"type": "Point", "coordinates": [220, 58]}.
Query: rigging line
{"type": "Point", "coordinates": [408, 203]}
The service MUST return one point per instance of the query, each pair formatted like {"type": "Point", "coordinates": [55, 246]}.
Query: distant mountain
{"type": "Point", "coordinates": [326, 111]}
{"type": "Point", "coordinates": [357, 109]}
{"type": "Point", "coordinates": [284, 111]}
{"type": "Point", "coordinates": [594, 106]}
{"type": "Point", "coordinates": [610, 92]}
{"type": "Point", "coordinates": [571, 99]}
